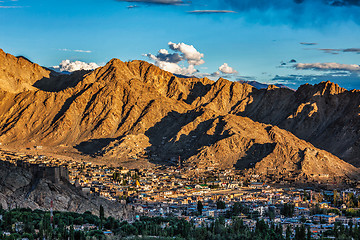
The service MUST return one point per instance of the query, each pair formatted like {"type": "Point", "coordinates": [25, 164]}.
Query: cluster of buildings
{"type": "Point", "coordinates": [172, 191]}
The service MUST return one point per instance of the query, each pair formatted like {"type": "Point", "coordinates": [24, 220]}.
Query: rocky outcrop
{"type": "Point", "coordinates": [19, 188]}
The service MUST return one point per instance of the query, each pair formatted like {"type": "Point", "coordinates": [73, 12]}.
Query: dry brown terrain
{"type": "Point", "coordinates": [136, 113]}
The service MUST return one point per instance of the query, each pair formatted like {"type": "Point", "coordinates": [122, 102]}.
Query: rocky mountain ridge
{"type": "Point", "coordinates": [134, 110]}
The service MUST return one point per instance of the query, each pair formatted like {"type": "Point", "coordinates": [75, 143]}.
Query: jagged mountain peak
{"type": "Point", "coordinates": [324, 88]}
{"type": "Point", "coordinates": [329, 88]}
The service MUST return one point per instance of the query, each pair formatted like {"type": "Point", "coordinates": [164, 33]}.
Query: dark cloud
{"type": "Point", "coordinates": [210, 11]}
{"type": "Point", "coordinates": [330, 50]}
{"type": "Point", "coordinates": [308, 43]}
{"type": "Point", "coordinates": [161, 2]}
{"type": "Point", "coordinates": [164, 56]}
{"type": "Point", "coordinates": [355, 50]}
{"type": "Point", "coordinates": [246, 78]}
{"type": "Point", "coordinates": [337, 51]}
{"type": "Point", "coordinates": [285, 63]}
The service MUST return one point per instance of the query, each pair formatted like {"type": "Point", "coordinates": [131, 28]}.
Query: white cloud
{"type": "Point", "coordinates": [70, 66]}
{"type": "Point", "coordinates": [328, 66]}
{"type": "Point", "coordinates": [182, 52]}
{"type": "Point", "coordinates": [78, 50]}
{"type": "Point", "coordinates": [176, 69]}
{"type": "Point", "coordinates": [210, 11]}
{"type": "Point", "coordinates": [215, 74]}
{"type": "Point", "coordinates": [226, 69]}
{"type": "Point", "coordinates": [193, 56]}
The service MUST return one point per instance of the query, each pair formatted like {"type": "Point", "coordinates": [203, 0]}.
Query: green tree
{"type": "Point", "coordinates": [350, 200]}
{"type": "Point", "coordinates": [238, 208]}
{"type": "Point", "coordinates": [28, 236]}
{"type": "Point", "coordinates": [308, 234]}
{"type": "Point", "coordinates": [335, 198]}
{"type": "Point", "coordinates": [72, 233]}
{"type": "Point", "coordinates": [300, 233]}
{"type": "Point", "coordinates": [220, 204]}
{"type": "Point", "coordinates": [199, 207]}
{"type": "Point", "coordinates": [101, 216]}
{"type": "Point", "coordinates": [261, 228]}
{"type": "Point", "coordinates": [288, 210]}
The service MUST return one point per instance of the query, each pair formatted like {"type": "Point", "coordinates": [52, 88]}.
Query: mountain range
{"type": "Point", "coordinates": [135, 112]}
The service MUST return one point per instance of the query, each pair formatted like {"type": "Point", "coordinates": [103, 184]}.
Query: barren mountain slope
{"type": "Point", "coordinates": [133, 110]}
{"type": "Point", "coordinates": [18, 74]}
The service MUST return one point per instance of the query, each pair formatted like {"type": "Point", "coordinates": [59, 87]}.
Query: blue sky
{"type": "Point", "coordinates": [267, 41]}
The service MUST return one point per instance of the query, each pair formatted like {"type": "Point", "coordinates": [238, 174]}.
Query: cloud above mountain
{"type": "Point", "coordinates": [176, 69]}
{"type": "Point", "coordinates": [346, 75]}
{"type": "Point", "coordinates": [344, 79]}
{"type": "Point", "coordinates": [182, 52]}
{"type": "Point", "coordinates": [226, 69]}
{"type": "Point", "coordinates": [188, 52]}
{"type": "Point", "coordinates": [72, 66]}
{"type": "Point", "coordinates": [164, 56]}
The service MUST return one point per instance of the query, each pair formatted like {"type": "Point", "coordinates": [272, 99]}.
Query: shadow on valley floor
{"type": "Point", "coordinates": [93, 146]}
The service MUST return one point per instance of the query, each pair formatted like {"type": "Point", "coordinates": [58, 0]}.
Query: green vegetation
{"type": "Point", "coordinates": [288, 210]}
{"type": "Point", "coordinates": [220, 205]}
{"type": "Point", "coordinates": [26, 223]}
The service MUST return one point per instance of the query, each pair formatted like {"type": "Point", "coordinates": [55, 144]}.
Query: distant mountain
{"type": "Point", "coordinates": [259, 85]}
{"type": "Point", "coordinates": [136, 112]}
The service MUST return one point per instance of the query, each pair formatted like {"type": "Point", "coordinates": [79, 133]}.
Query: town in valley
{"type": "Point", "coordinates": [203, 197]}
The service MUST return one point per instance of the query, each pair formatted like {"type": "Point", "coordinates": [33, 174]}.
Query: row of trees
{"type": "Point", "coordinates": [174, 228]}
{"type": "Point", "coordinates": [64, 222]}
